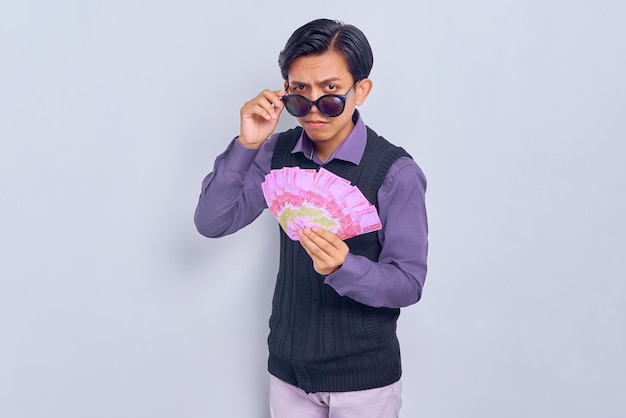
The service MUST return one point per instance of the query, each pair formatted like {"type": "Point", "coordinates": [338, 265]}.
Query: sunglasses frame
{"type": "Point", "coordinates": [310, 103]}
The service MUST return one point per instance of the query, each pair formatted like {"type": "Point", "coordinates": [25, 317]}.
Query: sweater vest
{"type": "Point", "coordinates": [320, 341]}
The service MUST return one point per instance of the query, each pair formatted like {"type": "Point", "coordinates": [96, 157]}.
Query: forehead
{"type": "Point", "coordinates": [314, 68]}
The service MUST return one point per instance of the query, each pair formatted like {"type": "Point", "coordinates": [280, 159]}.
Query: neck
{"type": "Point", "coordinates": [324, 150]}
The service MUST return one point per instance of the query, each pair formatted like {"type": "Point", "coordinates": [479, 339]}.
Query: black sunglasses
{"type": "Point", "coordinates": [330, 105]}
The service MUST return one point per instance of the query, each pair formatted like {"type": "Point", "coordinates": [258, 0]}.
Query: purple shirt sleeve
{"type": "Point", "coordinates": [396, 280]}
{"type": "Point", "coordinates": [231, 195]}
{"type": "Point", "coordinates": [231, 198]}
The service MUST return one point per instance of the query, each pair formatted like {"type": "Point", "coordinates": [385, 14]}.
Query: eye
{"type": "Point", "coordinates": [331, 87]}
{"type": "Point", "coordinates": [300, 87]}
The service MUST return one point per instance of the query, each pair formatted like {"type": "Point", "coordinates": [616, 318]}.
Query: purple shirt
{"type": "Point", "coordinates": [231, 198]}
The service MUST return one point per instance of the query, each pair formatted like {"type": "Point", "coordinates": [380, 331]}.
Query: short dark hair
{"type": "Point", "coordinates": [321, 35]}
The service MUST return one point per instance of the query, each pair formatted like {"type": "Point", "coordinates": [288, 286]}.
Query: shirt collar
{"type": "Point", "coordinates": [351, 149]}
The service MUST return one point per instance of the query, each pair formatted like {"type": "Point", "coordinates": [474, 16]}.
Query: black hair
{"type": "Point", "coordinates": [321, 35]}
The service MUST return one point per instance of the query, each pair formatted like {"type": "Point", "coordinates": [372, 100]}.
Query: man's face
{"type": "Point", "coordinates": [313, 76]}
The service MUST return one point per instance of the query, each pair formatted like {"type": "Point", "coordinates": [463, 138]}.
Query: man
{"type": "Point", "coordinates": [333, 350]}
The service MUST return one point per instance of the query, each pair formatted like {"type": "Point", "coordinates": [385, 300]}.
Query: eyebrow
{"type": "Point", "coordinates": [319, 83]}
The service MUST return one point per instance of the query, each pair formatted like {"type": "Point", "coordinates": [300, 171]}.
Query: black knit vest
{"type": "Point", "coordinates": [321, 341]}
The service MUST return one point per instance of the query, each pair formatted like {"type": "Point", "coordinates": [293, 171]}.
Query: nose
{"type": "Point", "coordinates": [314, 108]}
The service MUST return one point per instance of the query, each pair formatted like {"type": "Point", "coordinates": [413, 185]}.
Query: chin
{"type": "Point", "coordinates": [316, 137]}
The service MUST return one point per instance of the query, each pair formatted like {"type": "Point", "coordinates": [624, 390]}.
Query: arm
{"type": "Point", "coordinates": [231, 195]}
{"type": "Point", "coordinates": [396, 280]}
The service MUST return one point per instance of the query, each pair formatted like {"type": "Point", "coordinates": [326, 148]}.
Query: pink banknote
{"type": "Point", "coordinates": [302, 198]}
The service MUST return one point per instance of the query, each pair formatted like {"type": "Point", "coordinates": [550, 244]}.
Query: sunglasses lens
{"type": "Point", "coordinates": [330, 106]}
{"type": "Point", "coordinates": [296, 105]}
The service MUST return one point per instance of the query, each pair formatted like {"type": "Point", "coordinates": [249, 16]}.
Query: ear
{"type": "Point", "coordinates": [285, 84]}
{"type": "Point", "coordinates": [363, 88]}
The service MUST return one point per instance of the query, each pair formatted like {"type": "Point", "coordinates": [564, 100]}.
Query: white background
{"type": "Point", "coordinates": [112, 112]}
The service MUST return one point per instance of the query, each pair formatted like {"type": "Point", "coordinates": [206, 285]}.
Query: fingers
{"type": "Point", "coordinates": [327, 251]}
{"type": "Point", "coordinates": [267, 105]}
{"type": "Point", "coordinates": [324, 239]}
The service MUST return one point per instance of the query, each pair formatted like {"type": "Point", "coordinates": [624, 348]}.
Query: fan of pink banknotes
{"type": "Point", "coordinates": [302, 198]}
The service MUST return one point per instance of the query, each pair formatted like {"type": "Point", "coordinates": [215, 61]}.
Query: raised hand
{"type": "Point", "coordinates": [259, 117]}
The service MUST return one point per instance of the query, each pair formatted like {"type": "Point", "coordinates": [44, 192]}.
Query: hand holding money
{"type": "Point", "coordinates": [326, 249]}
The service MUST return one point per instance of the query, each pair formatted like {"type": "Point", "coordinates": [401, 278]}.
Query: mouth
{"type": "Point", "coordinates": [315, 123]}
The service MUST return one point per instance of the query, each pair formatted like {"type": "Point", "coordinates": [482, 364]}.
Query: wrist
{"type": "Point", "coordinates": [247, 144]}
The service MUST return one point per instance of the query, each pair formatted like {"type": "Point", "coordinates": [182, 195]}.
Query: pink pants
{"type": "Point", "coordinates": [288, 401]}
